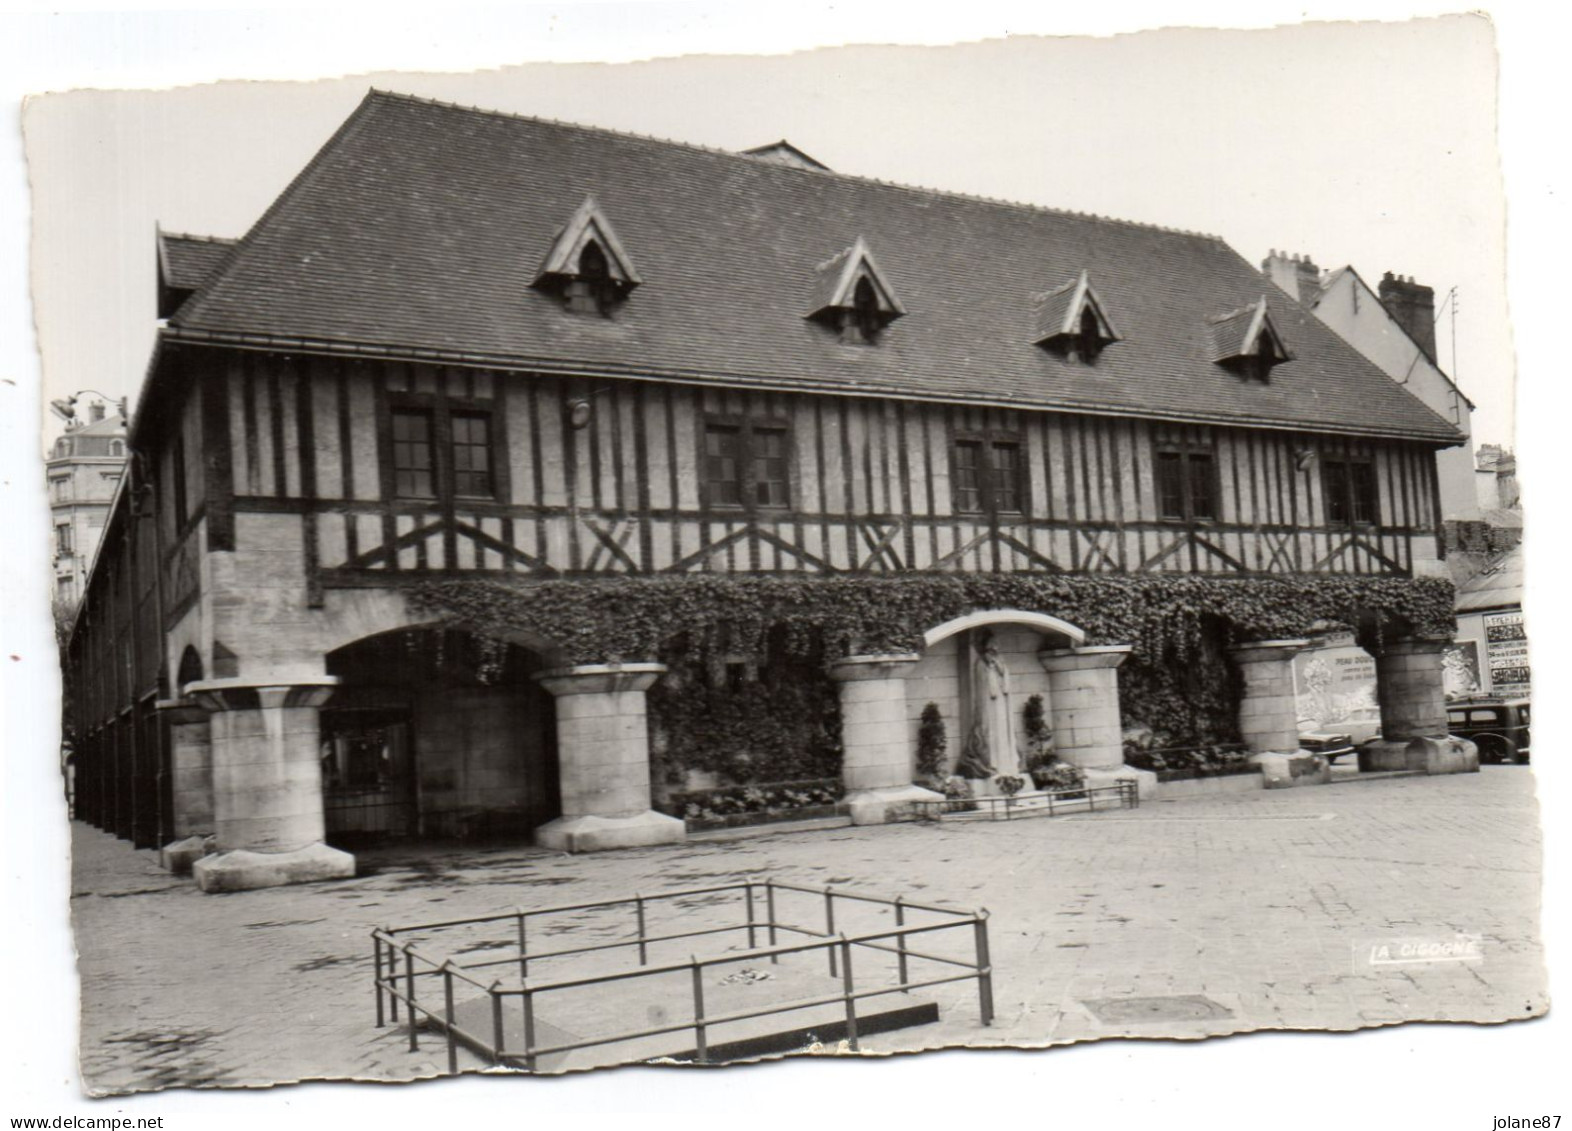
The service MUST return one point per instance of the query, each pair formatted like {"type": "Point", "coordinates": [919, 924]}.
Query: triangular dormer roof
{"type": "Point", "coordinates": [1242, 333]}
{"type": "Point", "coordinates": [785, 153]}
{"type": "Point", "coordinates": [835, 287]}
{"type": "Point", "coordinates": [587, 223]}
{"type": "Point", "coordinates": [1059, 312]}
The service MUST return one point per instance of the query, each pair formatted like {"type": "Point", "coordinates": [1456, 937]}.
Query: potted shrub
{"type": "Point", "coordinates": [932, 742]}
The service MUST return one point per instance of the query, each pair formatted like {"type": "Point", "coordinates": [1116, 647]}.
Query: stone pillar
{"type": "Point", "coordinates": [267, 784]}
{"type": "Point", "coordinates": [603, 754]}
{"type": "Point", "coordinates": [877, 761]}
{"type": "Point", "coordinates": [1268, 715]}
{"type": "Point", "coordinates": [1083, 686]}
{"type": "Point", "coordinates": [191, 790]}
{"type": "Point", "coordinates": [1412, 693]}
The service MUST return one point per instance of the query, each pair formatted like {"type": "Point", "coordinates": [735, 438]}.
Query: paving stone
{"type": "Point", "coordinates": [1260, 902]}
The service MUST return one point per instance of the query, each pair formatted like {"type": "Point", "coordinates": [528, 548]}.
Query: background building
{"type": "Point", "coordinates": [1492, 644]}
{"type": "Point", "coordinates": [1395, 327]}
{"type": "Point", "coordinates": [84, 467]}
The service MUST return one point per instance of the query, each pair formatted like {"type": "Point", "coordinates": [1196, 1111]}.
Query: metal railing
{"type": "Point", "coordinates": [1051, 803]}
{"type": "Point", "coordinates": [401, 967]}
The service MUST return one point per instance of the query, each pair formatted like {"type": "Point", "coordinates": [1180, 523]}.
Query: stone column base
{"type": "Point", "coordinates": [1098, 777]}
{"type": "Point", "coordinates": [593, 834]}
{"type": "Point", "coordinates": [179, 855]}
{"type": "Point", "coordinates": [1444, 754]}
{"type": "Point", "coordinates": [242, 870]}
{"type": "Point", "coordinates": [1290, 769]}
{"type": "Point", "coordinates": [887, 803]}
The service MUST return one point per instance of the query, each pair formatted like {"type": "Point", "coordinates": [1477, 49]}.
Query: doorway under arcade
{"type": "Point", "coordinates": [436, 733]}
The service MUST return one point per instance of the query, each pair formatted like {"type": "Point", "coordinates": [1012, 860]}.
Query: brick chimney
{"type": "Point", "coordinates": [95, 412]}
{"type": "Point", "coordinates": [1296, 276]}
{"type": "Point", "coordinates": [1414, 307]}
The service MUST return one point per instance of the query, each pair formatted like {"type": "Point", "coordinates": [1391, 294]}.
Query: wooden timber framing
{"type": "Point", "coordinates": [871, 483]}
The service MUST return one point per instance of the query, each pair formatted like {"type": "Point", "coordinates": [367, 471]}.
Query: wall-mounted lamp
{"type": "Point", "coordinates": [1303, 458]}
{"type": "Point", "coordinates": [581, 410]}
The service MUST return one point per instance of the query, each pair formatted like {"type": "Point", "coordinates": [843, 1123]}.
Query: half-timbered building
{"type": "Point", "coordinates": [465, 345]}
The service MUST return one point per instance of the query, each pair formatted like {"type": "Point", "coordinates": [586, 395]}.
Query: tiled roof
{"type": "Point", "coordinates": [1500, 586]}
{"type": "Point", "coordinates": [419, 226]}
{"type": "Point", "coordinates": [187, 261]}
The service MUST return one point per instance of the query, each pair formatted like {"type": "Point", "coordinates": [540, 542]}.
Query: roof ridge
{"type": "Point", "coordinates": [716, 151]}
{"type": "Point", "coordinates": [226, 240]}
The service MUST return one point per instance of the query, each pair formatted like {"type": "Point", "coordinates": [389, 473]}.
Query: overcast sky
{"type": "Point", "coordinates": [1364, 144]}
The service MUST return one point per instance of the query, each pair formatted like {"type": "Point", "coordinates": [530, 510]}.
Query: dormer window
{"type": "Point", "coordinates": [1247, 343]}
{"type": "Point", "coordinates": [865, 314]}
{"type": "Point", "coordinates": [1072, 323]}
{"type": "Point", "coordinates": [853, 297]}
{"type": "Point", "coordinates": [592, 290]}
{"type": "Point", "coordinates": [587, 265]}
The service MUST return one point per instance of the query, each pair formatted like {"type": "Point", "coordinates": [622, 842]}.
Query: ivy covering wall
{"type": "Point", "coordinates": [628, 619]}
{"type": "Point", "coordinates": [748, 698]}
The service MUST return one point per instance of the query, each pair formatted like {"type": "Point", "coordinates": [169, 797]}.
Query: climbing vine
{"type": "Point", "coordinates": [628, 619]}
{"type": "Point", "coordinates": [748, 698]}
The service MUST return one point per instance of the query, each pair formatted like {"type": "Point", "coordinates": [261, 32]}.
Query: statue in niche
{"type": "Point", "coordinates": [990, 749]}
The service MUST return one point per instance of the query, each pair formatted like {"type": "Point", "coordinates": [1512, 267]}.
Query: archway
{"type": "Point", "coordinates": [436, 733]}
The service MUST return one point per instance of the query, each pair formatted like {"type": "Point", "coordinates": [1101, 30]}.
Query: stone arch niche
{"type": "Point", "coordinates": [1026, 654]}
{"type": "Point", "coordinates": [950, 674]}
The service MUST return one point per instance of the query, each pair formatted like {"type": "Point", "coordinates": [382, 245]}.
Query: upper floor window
{"type": "Point", "coordinates": [1186, 484]}
{"type": "Point", "coordinates": [987, 476]}
{"type": "Point", "coordinates": [63, 546]}
{"type": "Point", "coordinates": [472, 455]}
{"type": "Point", "coordinates": [746, 464]}
{"type": "Point", "coordinates": [414, 465]}
{"type": "Point", "coordinates": [60, 488]}
{"type": "Point", "coordinates": [440, 451]}
{"type": "Point", "coordinates": [117, 448]}
{"type": "Point", "coordinates": [1352, 496]}
{"type": "Point", "coordinates": [177, 476]}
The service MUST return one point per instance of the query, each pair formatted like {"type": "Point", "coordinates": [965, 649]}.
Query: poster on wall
{"type": "Point", "coordinates": [1334, 689]}
{"type": "Point", "coordinates": [1507, 650]}
{"type": "Point", "coordinates": [1460, 670]}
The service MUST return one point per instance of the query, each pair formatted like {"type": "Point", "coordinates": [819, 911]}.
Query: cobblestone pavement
{"type": "Point", "coordinates": [1264, 904]}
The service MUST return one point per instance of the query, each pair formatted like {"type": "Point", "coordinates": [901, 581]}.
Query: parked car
{"type": "Point", "coordinates": [1328, 745]}
{"type": "Point", "coordinates": [1499, 727]}
{"type": "Point", "coordinates": [1337, 737]}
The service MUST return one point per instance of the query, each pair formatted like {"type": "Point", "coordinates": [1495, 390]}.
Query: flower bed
{"type": "Point", "coordinates": [1184, 763]}
{"type": "Point", "coordinates": [732, 806]}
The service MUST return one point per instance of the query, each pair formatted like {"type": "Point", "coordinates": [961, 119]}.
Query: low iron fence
{"type": "Point", "coordinates": [401, 967]}
{"type": "Point", "coordinates": [1052, 803]}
